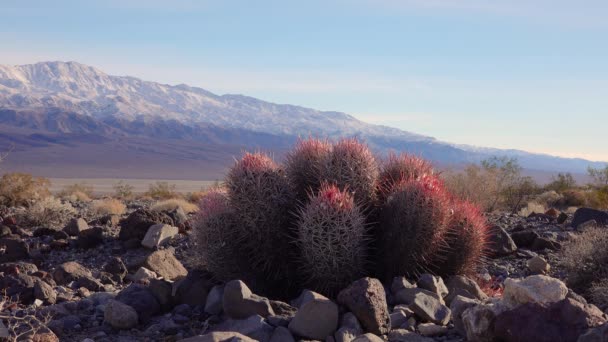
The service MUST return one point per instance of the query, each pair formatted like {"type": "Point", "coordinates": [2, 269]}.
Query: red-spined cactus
{"type": "Point", "coordinates": [467, 241]}
{"type": "Point", "coordinates": [397, 168]}
{"type": "Point", "coordinates": [332, 238]}
{"type": "Point", "coordinates": [413, 224]}
{"type": "Point", "coordinates": [262, 201]}
{"type": "Point", "coordinates": [303, 165]}
{"type": "Point", "coordinates": [215, 231]}
{"type": "Point", "coordinates": [351, 165]}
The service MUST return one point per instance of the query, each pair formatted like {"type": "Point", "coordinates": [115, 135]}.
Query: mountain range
{"type": "Point", "coordinates": [66, 119]}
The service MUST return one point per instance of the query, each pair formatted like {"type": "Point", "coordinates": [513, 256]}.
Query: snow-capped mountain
{"type": "Point", "coordinates": [53, 113]}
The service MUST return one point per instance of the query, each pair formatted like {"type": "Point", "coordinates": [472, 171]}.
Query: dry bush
{"type": "Point", "coordinates": [585, 260]}
{"type": "Point", "coordinates": [598, 198]}
{"type": "Point", "coordinates": [598, 293]}
{"type": "Point", "coordinates": [573, 198]}
{"type": "Point", "coordinates": [162, 190]}
{"type": "Point", "coordinates": [22, 324]}
{"type": "Point", "coordinates": [532, 207]}
{"type": "Point", "coordinates": [81, 192]}
{"type": "Point", "coordinates": [549, 198]}
{"type": "Point", "coordinates": [22, 188]}
{"type": "Point", "coordinates": [196, 196]}
{"type": "Point", "coordinates": [48, 212]}
{"type": "Point", "coordinates": [108, 206]}
{"type": "Point", "coordinates": [123, 190]}
{"type": "Point", "coordinates": [174, 203]}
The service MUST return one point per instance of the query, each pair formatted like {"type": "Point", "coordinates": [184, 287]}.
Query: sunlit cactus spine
{"type": "Point", "coordinates": [413, 224]}
{"type": "Point", "coordinates": [262, 201]}
{"type": "Point", "coordinates": [332, 238]}
{"type": "Point", "coordinates": [397, 168]}
{"type": "Point", "coordinates": [352, 166]}
{"type": "Point", "coordinates": [303, 165]}
{"type": "Point", "coordinates": [467, 241]}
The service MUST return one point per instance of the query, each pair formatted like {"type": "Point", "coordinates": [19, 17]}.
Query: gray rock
{"type": "Point", "coordinates": [402, 335]}
{"type": "Point", "coordinates": [533, 289]}
{"type": "Point", "coordinates": [159, 235]}
{"type": "Point", "coordinates": [598, 334]}
{"type": "Point", "coordinates": [13, 250]}
{"type": "Point", "coordinates": [400, 283]}
{"type": "Point", "coordinates": [366, 299]}
{"type": "Point", "coordinates": [432, 329]}
{"type": "Point", "coordinates": [477, 322]}
{"type": "Point", "coordinates": [406, 296]}
{"type": "Point", "coordinates": [165, 264]}
{"type": "Point", "coordinates": [433, 283]}
{"type": "Point", "coordinates": [281, 334]}
{"type": "Point", "coordinates": [220, 336]}
{"type": "Point", "coordinates": [141, 299]}
{"type": "Point", "coordinates": [44, 292]}
{"type": "Point", "coordinates": [463, 286]}
{"type": "Point", "coordinates": [90, 238]}
{"type": "Point", "coordinates": [430, 309]}
{"type": "Point", "coordinates": [458, 306]}
{"type": "Point", "coordinates": [538, 265]}
{"type": "Point", "coordinates": [398, 318]}
{"type": "Point", "coordinates": [316, 319]}
{"type": "Point", "coordinates": [75, 226]}
{"type": "Point", "coordinates": [143, 275]}
{"type": "Point", "coordinates": [500, 242]}
{"type": "Point", "coordinates": [239, 302]}
{"type": "Point", "coordinates": [70, 271]}
{"type": "Point", "coordinates": [119, 315]}
{"type": "Point", "coordinates": [583, 215]}
{"type": "Point", "coordinates": [214, 304]}
{"type": "Point", "coordinates": [253, 326]}
{"type": "Point", "coordinates": [368, 338]}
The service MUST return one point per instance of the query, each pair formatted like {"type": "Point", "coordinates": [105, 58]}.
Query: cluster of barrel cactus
{"type": "Point", "coordinates": [331, 214]}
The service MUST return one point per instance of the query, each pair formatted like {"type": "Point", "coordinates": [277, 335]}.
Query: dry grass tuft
{"type": "Point", "coordinates": [532, 207]}
{"type": "Point", "coordinates": [109, 206]}
{"type": "Point", "coordinates": [174, 203]}
{"type": "Point", "coordinates": [48, 212]}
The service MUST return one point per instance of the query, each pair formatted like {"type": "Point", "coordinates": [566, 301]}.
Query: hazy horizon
{"type": "Point", "coordinates": [509, 75]}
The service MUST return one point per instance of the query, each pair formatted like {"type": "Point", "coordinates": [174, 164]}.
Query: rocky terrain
{"type": "Point", "coordinates": [136, 278]}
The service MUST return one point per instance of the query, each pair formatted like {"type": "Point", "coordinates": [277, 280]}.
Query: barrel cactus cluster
{"type": "Point", "coordinates": [332, 213]}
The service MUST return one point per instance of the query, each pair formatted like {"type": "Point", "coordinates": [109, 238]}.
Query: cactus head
{"type": "Point", "coordinates": [332, 239]}
{"type": "Point", "coordinates": [413, 223]}
{"type": "Point", "coordinates": [303, 164]}
{"type": "Point", "coordinates": [351, 165]}
{"type": "Point", "coordinates": [467, 241]}
{"type": "Point", "coordinates": [399, 168]}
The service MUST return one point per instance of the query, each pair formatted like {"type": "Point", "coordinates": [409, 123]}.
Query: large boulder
{"type": "Point", "coordinates": [75, 226]}
{"type": "Point", "coordinates": [165, 264]}
{"type": "Point", "coordinates": [90, 238]}
{"type": "Point", "coordinates": [159, 235]}
{"type": "Point", "coordinates": [500, 242]}
{"type": "Point", "coordinates": [583, 215]}
{"type": "Point", "coordinates": [119, 315]}
{"type": "Point", "coordinates": [141, 299]}
{"type": "Point", "coordinates": [533, 289]}
{"type": "Point", "coordinates": [239, 302]}
{"type": "Point", "coordinates": [565, 320]}
{"type": "Point", "coordinates": [366, 299]}
{"type": "Point", "coordinates": [13, 250]}
{"type": "Point", "coordinates": [316, 319]}
{"type": "Point", "coordinates": [136, 225]}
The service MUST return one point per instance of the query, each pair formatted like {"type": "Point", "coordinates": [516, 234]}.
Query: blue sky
{"type": "Point", "coordinates": [526, 74]}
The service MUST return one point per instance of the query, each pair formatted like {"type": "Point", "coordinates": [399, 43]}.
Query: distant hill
{"type": "Point", "coordinates": [72, 120]}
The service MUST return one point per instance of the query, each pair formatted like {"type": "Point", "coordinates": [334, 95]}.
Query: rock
{"type": "Point", "coordinates": [44, 292]}
{"type": "Point", "coordinates": [524, 239]}
{"type": "Point", "coordinates": [13, 250]}
{"type": "Point", "coordinates": [316, 319]}
{"type": "Point", "coordinates": [583, 215]}
{"type": "Point", "coordinates": [400, 283]}
{"type": "Point", "coordinates": [500, 242]}
{"type": "Point", "coordinates": [305, 297]}
{"type": "Point", "coordinates": [193, 289]}
{"type": "Point", "coordinates": [402, 335]}
{"type": "Point", "coordinates": [141, 299]}
{"type": "Point", "coordinates": [565, 320]}
{"type": "Point", "coordinates": [433, 283]}
{"type": "Point", "coordinates": [70, 271]}
{"type": "Point", "coordinates": [398, 318]}
{"type": "Point", "coordinates": [158, 235]}
{"type": "Point", "coordinates": [431, 329]}
{"type": "Point", "coordinates": [161, 289]}
{"type": "Point", "coordinates": [281, 334]}
{"type": "Point", "coordinates": [239, 302]}
{"type": "Point", "coordinates": [253, 326]}
{"type": "Point", "coordinates": [116, 267]}
{"type": "Point", "coordinates": [143, 275]}
{"type": "Point", "coordinates": [478, 323]}
{"type": "Point", "coordinates": [44, 231]}
{"type": "Point", "coordinates": [562, 218]}
{"type": "Point", "coordinates": [541, 243]}
{"type": "Point", "coordinates": [165, 264]}
{"type": "Point", "coordinates": [407, 296]}
{"type": "Point", "coordinates": [552, 213]}
{"type": "Point", "coordinates": [534, 289]}
{"type": "Point", "coordinates": [538, 265]}
{"type": "Point", "coordinates": [136, 225]}
{"type": "Point", "coordinates": [458, 307]}
{"type": "Point", "coordinates": [599, 334]}
{"type": "Point", "coordinates": [430, 309]}
{"type": "Point", "coordinates": [18, 286]}
{"type": "Point", "coordinates": [90, 238]}
{"type": "Point", "coordinates": [5, 231]}
{"type": "Point", "coordinates": [119, 315]}
{"type": "Point", "coordinates": [90, 283]}
{"type": "Point", "coordinates": [18, 267]}
{"type": "Point", "coordinates": [75, 226]}
{"type": "Point", "coordinates": [463, 286]}
{"type": "Point", "coordinates": [61, 235]}
{"type": "Point", "coordinates": [220, 336]}
{"type": "Point", "coordinates": [366, 299]}
{"type": "Point", "coordinates": [368, 338]}
{"type": "Point", "coordinates": [180, 218]}
{"type": "Point", "coordinates": [349, 328]}
{"type": "Point", "coordinates": [214, 303]}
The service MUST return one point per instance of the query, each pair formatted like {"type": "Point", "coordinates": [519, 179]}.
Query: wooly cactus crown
{"type": "Point", "coordinates": [331, 215]}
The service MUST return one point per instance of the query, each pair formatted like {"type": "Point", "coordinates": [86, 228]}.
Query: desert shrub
{"type": "Point", "coordinates": [561, 182]}
{"type": "Point", "coordinates": [573, 198]}
{"type": "Point", "coordinates": [263, 231]}
{"type": "Point", "coordinates": [550, 199]}
{"type": "Point", "coordinates": [532, 207]}
{"type": "Point", "coordinates": [123, 190]}
{"type": "Point", "coordinates": [597, 198]}
{"type": "Point", "coordinates": [598, 176]}
{"type": "Point", "coordinates": [174, 203]}
{"type": "Point", "coordinates": [77, 192]}
{"type": "Point", "coordinates": [22, 188]}
{"type": "Point", "coordinates": [108, 206]}
{"type": "Point", "coordinates": [585, 259]}
{"type": "Point", "coordinates": [47, 212]}
{"type": "Point", "coordinates": [196, 196]}
{"type": "Point", "coordinates": [162, 190]}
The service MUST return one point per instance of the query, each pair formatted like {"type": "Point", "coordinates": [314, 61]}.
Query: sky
{"type": "Point", "coordinates": [524, 74]}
